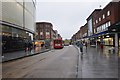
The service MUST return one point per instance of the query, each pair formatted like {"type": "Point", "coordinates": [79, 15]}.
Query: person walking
{"type": "Point", "coordinates": [26, 46]}
{"type": "Point", "coordinates": [86, 45]}
{"type": "Point", "coordinates": [30, 46]}
{"type": "Point", "coordinates": [81, 47]}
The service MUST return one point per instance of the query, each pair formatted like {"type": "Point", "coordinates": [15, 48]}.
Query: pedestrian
{"type": "Point", "coordinates": [101, 43]}
{"type": "Point", "coordinates": [30, 46]}
{"type": "Point", "coordinates": [101, 46]}
{"type": "Point", "coordinates": [34, 46]}
{"type": "Point", "coordinates": [86, 45]}
{"type": "Point", "coordinates": [26, 47]}
{"type": "Point", "coordinates": [81, 47]}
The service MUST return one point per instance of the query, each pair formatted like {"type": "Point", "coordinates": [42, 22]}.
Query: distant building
{"type": "Point", "coordinates": [84, 32]}
{"type": "Point", "coordinates": [76, 36]}
{"type": "Point", "coordinates": [44, 32]}
{"type": "Point", "coordinates": [73, 39]}
{"type": "Point", "coordinates": [53, 34]}
{"type": "Point", "coordinates": [59, 36]}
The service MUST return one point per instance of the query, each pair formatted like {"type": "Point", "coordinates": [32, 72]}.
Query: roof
{"type": "Point", "coordinates": [44, 23]}
{"type": "Point", "coordinates": [96, 10]}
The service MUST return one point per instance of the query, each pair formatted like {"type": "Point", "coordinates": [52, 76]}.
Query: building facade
{"type": "Point", "coordinates": [91, 28]}
{"type": "Point", "coordinates": [76, 36]}
{"type": "Point", "coordinates": [44, 32]}
{"type": "Point", "coordinates": [84, 33]}
{"type": "Point", "coordinates": [105, 19]}
{"type": "Point", "coordinates": [18, 24]}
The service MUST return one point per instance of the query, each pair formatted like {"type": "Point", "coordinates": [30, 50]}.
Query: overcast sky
{"type": "Point", "coordinates": [67, 16]}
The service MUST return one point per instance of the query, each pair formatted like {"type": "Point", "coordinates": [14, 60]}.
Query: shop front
{"type": "Point", "coordinates": [115, 29]}
{"type": "Point", "coordinates": [108, 39]}
{"type": "Point", "coordinates": [119, 39]}
{"type": "Point", "coordinates": [39, 43]}
{"type": "Point", "coordinates": [14, 39]}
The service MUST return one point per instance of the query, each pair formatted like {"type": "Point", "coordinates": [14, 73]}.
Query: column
{"type": "Point", "coordinates": [116, 42]}
{"type": "Point", "coordinates": [116, 39]}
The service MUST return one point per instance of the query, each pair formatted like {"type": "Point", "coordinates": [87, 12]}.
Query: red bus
{"type": "Point", "coordinates": [58, 44]}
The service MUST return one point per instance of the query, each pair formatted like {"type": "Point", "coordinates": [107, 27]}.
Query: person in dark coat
{"type": "Point", "coordinates": [86, 45]}
{"type": "Point", "coordinates": [26, 47]}
{"type": "Point", "coordinates": [81, 47]}
{"type": "Point", "coordinates": [30, 46]}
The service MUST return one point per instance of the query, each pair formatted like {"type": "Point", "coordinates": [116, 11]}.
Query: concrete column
{"type": "Point", "coordinates": [116, 42]}
{"type": "Point", "coordinates": [116, 39]}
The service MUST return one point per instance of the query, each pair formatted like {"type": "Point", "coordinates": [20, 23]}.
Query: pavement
{"type": "Point", "coordinates": [98, 63]}
{"type": "Point", "coordinates": [21, 54]}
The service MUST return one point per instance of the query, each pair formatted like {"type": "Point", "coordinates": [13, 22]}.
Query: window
{"type": "Point", "coordinates": [102, 27]}
{"type": "Point", "coordinates": [99, 19]}
{"type": "Point", "coordinates": [47, 30]}
{"type": "Point", "coordinates": [41, 33]}
{"type": "Point", "coordinates": [94, 31]}
{"type": "Point", "coordinates": [103, 16]}
{"type": "Point", "coordinates": [109, 23]}
{"type": "Point", "coordinates": [106, 25]}
{"type": "Point", "coordinates": [108, 13]}
{"type": "Point", "coordinates": [96, 21]}
{"type": "Point", "coordinates": [97, 29]}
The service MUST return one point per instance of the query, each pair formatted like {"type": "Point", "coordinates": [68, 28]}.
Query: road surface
{"type": "Point", "coordinates": [59, 63]}
{"type": "Point", "coordinates": [65, 63]}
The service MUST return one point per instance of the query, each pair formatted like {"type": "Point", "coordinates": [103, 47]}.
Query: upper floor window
{"type": "Point", "coordinates": [94, 30]}
{"type": "Point", "coordinates": [99, 19]}
{"type": "Point", "coordinates": [103, 16]}
{"type": "Point", "coordinates": [108, 13]}
{"type": "Point", "coordinates": [96, 21]}
{"type": "Point", "coordinates": [41, 33]}
{"type": "Point", "coordinates": [47, 30]}
{"type": "Point", "coordinates": [106, 25]}
{"type": "Point", "coordinates": [109, 23]}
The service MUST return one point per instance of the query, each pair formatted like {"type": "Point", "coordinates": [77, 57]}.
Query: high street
{"type": "Point", "coordinates": [65, 63]}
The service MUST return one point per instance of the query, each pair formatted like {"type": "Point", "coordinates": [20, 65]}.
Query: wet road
{"type": "Point", "coordinates": [59, 63]}
{"type": "Point", "coordinates": [62, 63]}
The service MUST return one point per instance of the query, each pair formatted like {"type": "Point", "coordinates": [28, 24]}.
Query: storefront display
{"type": "Point", "coordinates": [14, 36]}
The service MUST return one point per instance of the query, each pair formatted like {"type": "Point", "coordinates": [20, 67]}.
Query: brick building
{"type": "Point", "coordinates": [90, 21]}
{"type": "Point", "coordinates": [73, 39]}
{"type": "Point", "coordinates": [44, 31]}
{"type": "Point", "coordinates": [105, 19]}
{"type": "Point", "coordinates": [91, 28]}
{"type": "Point", "coordinates": [76, 36]}
{"type": "Point", "coordinates": [103, 25]}
{"type": "Point", "coordinates": [84, 32]}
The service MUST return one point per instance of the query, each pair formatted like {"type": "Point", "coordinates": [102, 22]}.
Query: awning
{"type": "Point", "coordinates": [96, 35]}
